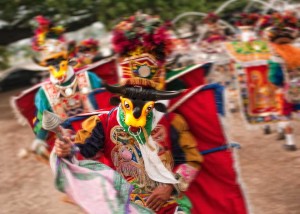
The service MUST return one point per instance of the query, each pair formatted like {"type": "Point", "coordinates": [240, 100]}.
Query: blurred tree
{"type": "Point", "coordinates": [4, 58]}
{"type": "Point", "coordinates": [15, 15]}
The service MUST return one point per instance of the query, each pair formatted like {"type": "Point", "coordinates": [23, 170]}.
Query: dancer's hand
{"type": "Point", "coordinates": [159, 196]}
{"type": "Point", "coordinates": [63, 149]}
{"type": "Point", "coordinates": [68, 133]}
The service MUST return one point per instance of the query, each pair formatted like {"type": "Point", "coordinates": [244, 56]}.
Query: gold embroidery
{"type": "Point", "coordinates": [128, 160]}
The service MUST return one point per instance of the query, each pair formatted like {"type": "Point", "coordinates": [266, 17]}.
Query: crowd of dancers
{"type": "Point", "coordinates": [147, 122]}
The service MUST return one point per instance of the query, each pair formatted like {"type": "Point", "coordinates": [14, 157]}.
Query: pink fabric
{"type": "Point", "coordinates": [93, 190]}
{"type": "Point", "coordinates": [90, 194]}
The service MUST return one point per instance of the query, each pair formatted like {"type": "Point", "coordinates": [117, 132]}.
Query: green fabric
{"type": "Point", "coordinates": [41, 103]}
{"type": "Point", "coordinates": [256, 46]}
{"type": "Point", "coordinates": [171, 73]}
{"type": "Point", "coordinates": [176, 84]}
{"type": "Point", "coordinates": [60, 179]}
{"type": "Point", "coordinates": [68, 82]}
{"type": "Point", "coordinates": [38, 124]}
{"type": "Point", "coordinates": [140, 138]}
{"type": "Point", "coordinates": [184, 204]}
{"type": "Point", "coordinates": [275, 74]}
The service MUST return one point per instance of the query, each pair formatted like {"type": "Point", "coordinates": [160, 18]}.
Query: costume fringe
{"type": "Point", "coordinates": [140, 82]}
{"type": "Point", "coordinates": [236, 166]}
{"type": "Point", "coordinates": [228, 114]}
{"type": "Point", "coordinates": [244, 189]}
{"type": "Point", "coordinates": [19, 116]}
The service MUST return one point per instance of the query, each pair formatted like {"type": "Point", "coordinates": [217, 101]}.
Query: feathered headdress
{"type": "Point", "coordinates": [46, 29]}
{"type": "Point", "coordinates": [48, 41]}
{"type": "Point", "coordinates": [142, 34]}
{"type": "Point", "coordinates": [281, 28]}
{"type": "Point", "coordinates": [143, 43]}
{"type": "Point", "coordinates": [88, 45]}
{"type": "Point", "coordinates": [279, 20]}
{"type": "Point", "coordinates": [246, 19]}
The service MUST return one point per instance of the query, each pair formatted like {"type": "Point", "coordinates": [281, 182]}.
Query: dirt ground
{"type": "Point", "coordinates": [270, 174]}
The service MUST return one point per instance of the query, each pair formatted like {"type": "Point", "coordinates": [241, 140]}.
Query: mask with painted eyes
{"type": "Point", "coordinates": [136, 112]}
{"type": "Point", "coordinates": [137, 104]}
{"type": "Point", "coordinates": [58, 67]}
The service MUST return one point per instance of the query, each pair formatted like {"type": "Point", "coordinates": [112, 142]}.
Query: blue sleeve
{"type": "Point", "coordinates": [95, 81]}
{"type": "Point", "coordinates": [94, 143]}
{"type": "Point", "coordinates": [41, 103]}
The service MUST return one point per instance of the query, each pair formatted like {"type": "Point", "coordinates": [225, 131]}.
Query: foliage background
{"type": "Point", "coordinates": [16, 15]}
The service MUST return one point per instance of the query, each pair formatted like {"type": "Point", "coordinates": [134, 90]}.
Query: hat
{"type": "Point", "coordinates": [48, 41]}
{"type": "Point", "coordinates": [246, 19]}
{"type": "Point", "coordinates": [143, 44]}
{"type": "Point", "coordinates": [279, 28]}
{"type": "Point", "coordinates": [88, 45]}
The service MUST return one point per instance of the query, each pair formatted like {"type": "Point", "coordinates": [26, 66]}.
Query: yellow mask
{"type": "Point", "coordinates": [57, 64]}
{"type": "Point", "coordinates": [136, 116]}
{"type": "Point", "coordinates": [59, 72]}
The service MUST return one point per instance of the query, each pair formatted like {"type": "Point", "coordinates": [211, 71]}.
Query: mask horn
{"type": "Point", "coordinates": [115, 89]}
{"type": "Point", "coordinates": [166, 95]}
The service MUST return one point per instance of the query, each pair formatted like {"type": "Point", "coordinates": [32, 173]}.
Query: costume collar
{"type": "Point", "coordinates": [142, 135]}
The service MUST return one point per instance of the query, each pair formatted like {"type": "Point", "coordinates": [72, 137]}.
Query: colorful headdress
{"type": "Point", "coordinates": [88, 45]}
{"type": "Point", "coordinates": [280, 28]}
{"type": "Point", "coordinates": [246, 19]}
{"type": "Point", "coordinates": [143, 43]}
{"type": "Point", "coordinates": [48, 40]}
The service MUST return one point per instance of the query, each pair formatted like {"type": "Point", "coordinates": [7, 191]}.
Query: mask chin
{"type": "Point", "coordinates": [60, 77]}
{"type": "Point", "coordinates": [67, 75]}
{"type": "Point", "coordinates": [134, 123]}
